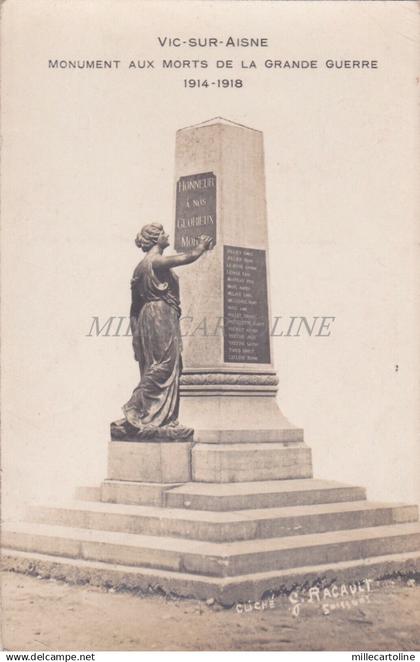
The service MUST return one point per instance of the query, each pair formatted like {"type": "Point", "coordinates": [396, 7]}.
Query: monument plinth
{"type": "Point", "coordinates": [229, 384]}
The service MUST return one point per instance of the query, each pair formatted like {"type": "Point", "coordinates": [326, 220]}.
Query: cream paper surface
{"type": "Point", "coordinates": [88, 157]}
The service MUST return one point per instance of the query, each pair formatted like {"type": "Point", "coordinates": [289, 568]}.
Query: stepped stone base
{"type": "Point", "coordinates": [229, 541]}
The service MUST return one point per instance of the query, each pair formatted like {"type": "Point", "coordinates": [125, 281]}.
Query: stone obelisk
{"type": "Point", "coordinates": [229, 385]}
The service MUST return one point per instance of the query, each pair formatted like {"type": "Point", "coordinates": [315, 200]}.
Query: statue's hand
{"type": "Point", "coordinates": [205, 242]}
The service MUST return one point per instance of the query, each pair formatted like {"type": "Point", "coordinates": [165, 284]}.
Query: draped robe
{"type": "Point", "coordinates": [154, 316]}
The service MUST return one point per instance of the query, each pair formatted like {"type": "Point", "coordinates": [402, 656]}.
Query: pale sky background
{"type": "Point", "coordinates": [88, 157]}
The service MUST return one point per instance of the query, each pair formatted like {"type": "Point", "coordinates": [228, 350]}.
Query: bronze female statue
{"type": "Point", "coordinates": [152, 411]}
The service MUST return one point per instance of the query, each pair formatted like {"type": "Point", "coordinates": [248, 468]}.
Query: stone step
{"type": "Point", "coordinates": [88, 493]}
{"type": "Point", "coordinates": [255, 494]}
{"type": "Point", "coordinates": [226, 590]}
{"type": "Point", "coordinates": [223, 526]}
{"type": "Point", "coordinates": [134, 492]}
{"type": "Point", "coordinates": [209, 558]}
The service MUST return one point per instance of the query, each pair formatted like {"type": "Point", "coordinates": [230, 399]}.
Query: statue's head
{"type": "Point", "coordinates": [150, 235]}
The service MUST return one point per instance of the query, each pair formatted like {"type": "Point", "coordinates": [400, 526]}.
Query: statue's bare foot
{"type": "Point", "coordinates": [121, 429]}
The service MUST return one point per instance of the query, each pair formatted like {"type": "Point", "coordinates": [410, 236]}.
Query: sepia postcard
{"type": "Point", "coordinates": [210, 327]}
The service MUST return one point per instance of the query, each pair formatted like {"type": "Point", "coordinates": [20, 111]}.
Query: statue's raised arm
{"type": "Point", "coordinates": [161, 261]}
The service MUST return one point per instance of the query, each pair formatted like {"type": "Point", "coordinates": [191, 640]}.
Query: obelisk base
{"type": "Point", "coordinates": [225, 406]}
{"type": "Point", "coordinates": [224, 419]}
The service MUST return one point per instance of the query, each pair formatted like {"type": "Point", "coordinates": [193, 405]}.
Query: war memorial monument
{"type": "Point", "coordinates": [210, 490]}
